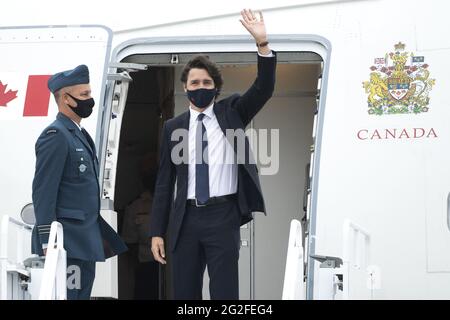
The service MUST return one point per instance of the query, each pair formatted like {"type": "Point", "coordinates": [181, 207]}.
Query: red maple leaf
{"type": "Point", "coordinates": [6, 96]}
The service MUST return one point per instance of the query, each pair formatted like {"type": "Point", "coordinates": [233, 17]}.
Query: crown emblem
{"type": "Point", "coordinates": [399, 46]}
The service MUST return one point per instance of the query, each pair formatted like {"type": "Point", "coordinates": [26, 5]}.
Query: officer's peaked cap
{"type": "Point", "coordinates": [79, 75]}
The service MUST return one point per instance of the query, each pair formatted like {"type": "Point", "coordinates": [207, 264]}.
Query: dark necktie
{"type": "Point", "coordinates": [201, 162]}
{"type": "Point", "coordinates": [89, 140]}
{"type": "Point", "coordinates": [92, 145]}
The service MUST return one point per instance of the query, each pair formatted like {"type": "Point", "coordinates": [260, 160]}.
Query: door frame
{"type": "Point", "coordinates": [239, 43]}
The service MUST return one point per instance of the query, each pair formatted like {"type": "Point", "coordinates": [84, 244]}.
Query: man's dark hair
{"type": "Point", "coordinates": [203, 62]}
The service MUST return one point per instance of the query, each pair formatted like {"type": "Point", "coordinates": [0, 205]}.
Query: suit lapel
{"type": "Point", "coordinates": [185, 121]}
{"type": "Point", "coordinates": [89, 144]}
{"type": "Point", "coordinates": [220, 118]}
{"type": "Point", "coordinates": [246, 158]}
{"type": "Point", "coordinates": [92, 145]}
{"type": "Point", "coordinates": [224, 125]}
{"type": "Point", "coordinates": [72, 127]}
{"type": "Point", "coordinates": [90, 141]}
{"type": "Point", "coordinates": [83, 139]}
{"type": "Point", "coordinates": [185, 126]}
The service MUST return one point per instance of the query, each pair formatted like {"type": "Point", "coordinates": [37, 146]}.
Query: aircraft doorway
{"type": "Point", "coordinates": [149, 103]}
{"type": "Point", "coordinates": [156, 95]}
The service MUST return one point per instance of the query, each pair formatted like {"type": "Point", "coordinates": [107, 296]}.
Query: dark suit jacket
{"type": "Point", "coordinates": [234, 112]}
{"type": "Point", "coordinates": [66, 189]}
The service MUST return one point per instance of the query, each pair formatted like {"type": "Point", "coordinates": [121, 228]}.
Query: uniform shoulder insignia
{"type": "Point", "coordinates": [51, 131]}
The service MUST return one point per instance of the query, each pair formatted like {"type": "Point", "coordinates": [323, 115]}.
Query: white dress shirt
{"type": "Point", "coordinates": [79, 126]}
{"type": "Point", "coordinates": [270, 54]}
{"type": "Point", "coordinates": [221, 163]}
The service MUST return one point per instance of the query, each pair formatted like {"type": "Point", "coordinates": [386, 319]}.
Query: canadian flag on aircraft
{"type": "Point", "coordinates": [26, 96]}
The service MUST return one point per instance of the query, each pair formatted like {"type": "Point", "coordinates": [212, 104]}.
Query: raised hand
{"type": "Point", "coordinates": [255, 26]}
{"type": "Point", "coordinates": [257, 29]}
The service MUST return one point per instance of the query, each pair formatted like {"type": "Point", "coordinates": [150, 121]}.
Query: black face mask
{"type": "Point", "coordinates": [201, 98]}
{"type": "Point", "coordinates": [83, 108]}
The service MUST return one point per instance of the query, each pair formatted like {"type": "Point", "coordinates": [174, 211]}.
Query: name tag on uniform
{"type": "Point", "coordinates": [79, 150]}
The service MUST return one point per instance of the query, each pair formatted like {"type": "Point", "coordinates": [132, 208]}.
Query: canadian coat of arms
{"type": "Point", "coordinates": [399, 83]}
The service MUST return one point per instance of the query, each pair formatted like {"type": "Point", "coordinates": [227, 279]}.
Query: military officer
{"type": "Point", "coordinates": [66, 187]}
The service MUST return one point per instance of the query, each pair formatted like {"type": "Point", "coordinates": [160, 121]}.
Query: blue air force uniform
{"type": "Point", "coordinates": [66, 189]}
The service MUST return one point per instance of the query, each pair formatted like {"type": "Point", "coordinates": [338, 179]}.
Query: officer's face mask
{"type": "Point", "coordinates": [83, 108]}
{"type": "Point", "coordinates": [201, 98]}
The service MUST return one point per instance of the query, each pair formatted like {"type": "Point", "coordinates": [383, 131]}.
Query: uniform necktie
{"type": "Point", "coordinates": [88, 139]}
{"type": "Point", "coordinates": [201, 162]}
